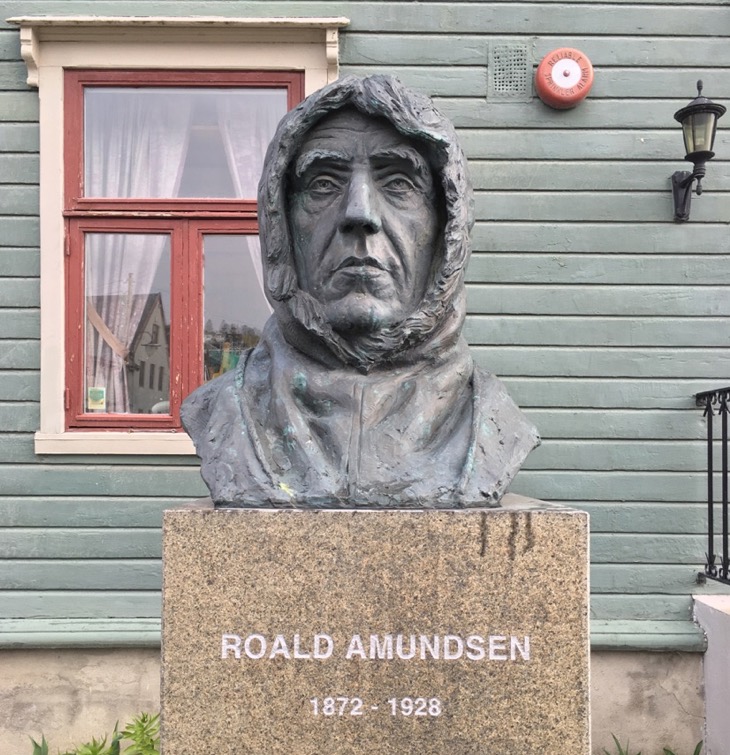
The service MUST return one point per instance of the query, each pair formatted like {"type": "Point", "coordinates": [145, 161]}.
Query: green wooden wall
{"type": "Point", "coordinates": [602, 315]}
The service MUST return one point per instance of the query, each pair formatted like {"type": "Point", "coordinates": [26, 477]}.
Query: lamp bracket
{"type": "Point", "coordinates": [682, 182]}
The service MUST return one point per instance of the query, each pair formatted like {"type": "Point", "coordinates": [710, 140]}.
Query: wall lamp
{"type": "Point", "coordinates": [699, 124]}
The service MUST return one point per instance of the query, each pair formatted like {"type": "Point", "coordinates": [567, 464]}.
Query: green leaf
{"type": "Point", "coordinates": [95, 747]}
{"type": "Point", "coordinates": [619, 750]}
{"type": "Point", "coordinates": [116, 739]}
{"type": "Point", "coordinates": [40, 749]}
{"type": "Point", "coordinates": [618, 745]}
{"type": "Point", "coordinates": [144, 733]}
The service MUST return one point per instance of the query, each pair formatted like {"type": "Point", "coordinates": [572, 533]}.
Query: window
{"type": "Point", "coordinates": [174, 233]}
{"type": "Point", "coordinates": [160, 206]}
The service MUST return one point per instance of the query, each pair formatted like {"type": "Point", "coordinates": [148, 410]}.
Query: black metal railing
{"type": "Point", "coordinates": [715, 405]}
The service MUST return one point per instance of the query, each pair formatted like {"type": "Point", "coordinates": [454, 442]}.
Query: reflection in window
{"type": "Point", "coordinates": [127, 296]}
{"type": "Point", "coordinates": [235, 307]}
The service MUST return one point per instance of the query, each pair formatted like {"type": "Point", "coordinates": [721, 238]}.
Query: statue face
{"type": "Point", "coordinates": [363, 220]}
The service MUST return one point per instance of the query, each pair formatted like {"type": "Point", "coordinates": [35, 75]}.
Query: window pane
{"type": "Point", "coordinates": [164, 142]}
{"type": "Point", "coordinates": [127, 295]}
{"type": "Point", "coordinates": [235, 307]}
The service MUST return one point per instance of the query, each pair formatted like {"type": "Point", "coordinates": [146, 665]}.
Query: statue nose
{"type": "Point", "coordinates": [359, 211]}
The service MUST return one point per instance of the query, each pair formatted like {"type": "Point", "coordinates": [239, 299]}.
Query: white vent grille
{"type": "Point", "coordinates": [510, 72]}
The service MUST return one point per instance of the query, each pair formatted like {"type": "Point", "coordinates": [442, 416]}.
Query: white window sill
{"type": "Point", "coordinates": [102, 443]}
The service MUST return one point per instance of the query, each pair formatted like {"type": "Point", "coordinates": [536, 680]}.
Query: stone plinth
{"type": "Point", "coordinates": [325, 632]}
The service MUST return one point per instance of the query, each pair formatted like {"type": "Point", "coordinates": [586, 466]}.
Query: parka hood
{"type": "Point", "coordinates": [435, 326]}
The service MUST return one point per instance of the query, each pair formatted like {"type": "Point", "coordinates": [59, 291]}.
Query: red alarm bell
{"type": "Point", "coordinates": [564, 78]}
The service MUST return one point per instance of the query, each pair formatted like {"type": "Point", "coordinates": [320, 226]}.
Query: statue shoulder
{"type": "Point", "coordinates": [490, 393]}
{"type": "Point", "coordinates": [492, 400]}
{"type": "Point", "coordinates": [199, 406]}
{"type": "Point", "coordinates": [502, 438]}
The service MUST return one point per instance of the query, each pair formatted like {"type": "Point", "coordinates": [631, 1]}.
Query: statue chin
{"type": "Point", "coordinates": [360, 314]}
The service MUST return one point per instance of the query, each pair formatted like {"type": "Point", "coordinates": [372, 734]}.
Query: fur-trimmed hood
{"type": "Point", "coordinates": [438, 320]}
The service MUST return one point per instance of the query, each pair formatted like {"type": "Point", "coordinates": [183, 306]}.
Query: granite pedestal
{"type": "Point", "coordinates": [359, 631]}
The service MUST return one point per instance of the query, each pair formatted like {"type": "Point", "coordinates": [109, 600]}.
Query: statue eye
{"type": "Point", "coordinates": [323, 186]}
{"type": "Point", "coordinates": [399, 184]}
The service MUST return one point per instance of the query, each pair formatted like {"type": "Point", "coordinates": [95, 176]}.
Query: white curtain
{"type": "Point", "coordinates": [135, 145]}
{"type": "Point", "coordinates": [248, 120]}
{"type": "Point", "coordinates": [252, 245]}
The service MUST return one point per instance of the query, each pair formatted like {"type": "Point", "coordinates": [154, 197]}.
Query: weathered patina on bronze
{"type": "Point", "coordinates": [362, 391]}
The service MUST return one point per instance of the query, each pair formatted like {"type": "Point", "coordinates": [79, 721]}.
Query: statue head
{"type": "Point", "coordinates": [365, 211]}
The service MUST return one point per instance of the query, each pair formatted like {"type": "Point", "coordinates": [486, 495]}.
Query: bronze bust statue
{"type": "Point", "coordinates": [362, 390]}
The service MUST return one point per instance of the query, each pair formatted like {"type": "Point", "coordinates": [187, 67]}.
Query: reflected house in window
{"type": "Point", "coordinates": [151, 345]}
{"type": "Point", "coordinates": [225, 344]}
{"type": "Point", "coordinates": [235, 307]}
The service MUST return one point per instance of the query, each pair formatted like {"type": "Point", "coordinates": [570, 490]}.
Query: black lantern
{"type": "Point", "coordinates": [699, 124]}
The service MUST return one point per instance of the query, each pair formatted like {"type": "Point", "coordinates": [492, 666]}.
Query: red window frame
{"type": "Point", "coordinates": [185, 220]}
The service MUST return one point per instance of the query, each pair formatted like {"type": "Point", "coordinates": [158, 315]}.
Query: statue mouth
{"type": "Point", "coordinates": [360, 264]}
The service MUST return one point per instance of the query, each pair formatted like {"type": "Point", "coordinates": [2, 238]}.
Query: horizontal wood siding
{"type": "Point", "coordinates": [602, 315]}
